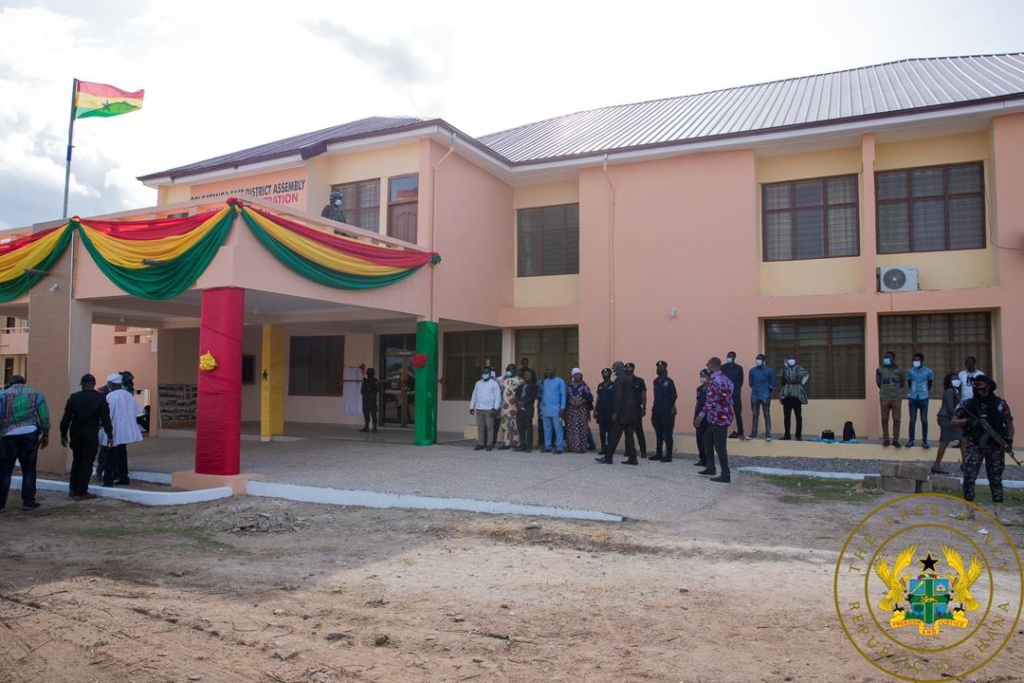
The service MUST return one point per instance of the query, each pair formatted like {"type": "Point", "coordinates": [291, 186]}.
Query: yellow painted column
{"type": "Point", "coordinates": [272, 382]}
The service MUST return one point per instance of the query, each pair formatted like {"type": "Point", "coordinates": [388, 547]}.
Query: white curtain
{"type": "Point", "coordinates": [353, 402]}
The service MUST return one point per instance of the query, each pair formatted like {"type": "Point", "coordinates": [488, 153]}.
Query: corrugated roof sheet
{"type": "Point", "coordinates": [307, 144]}
{"type": "Point", "coordinates": [895, 87]}
{"type": "Point", "coordinates": [872, 91]}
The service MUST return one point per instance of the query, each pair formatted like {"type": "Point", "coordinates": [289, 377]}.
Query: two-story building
{"type": "Point", "coordinates": [834, 216]}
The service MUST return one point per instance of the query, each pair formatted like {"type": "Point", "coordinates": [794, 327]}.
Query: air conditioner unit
{"type": "Point", "coordinates": [898, 279]}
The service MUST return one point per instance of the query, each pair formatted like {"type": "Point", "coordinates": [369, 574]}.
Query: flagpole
{"type": "Point", "coordinates": [71, 137]}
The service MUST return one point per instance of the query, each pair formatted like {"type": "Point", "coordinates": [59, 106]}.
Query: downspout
{"type": "Point", "coordinates": [611, 262]}
{"type": "Point", "coordinates": [433, 225]}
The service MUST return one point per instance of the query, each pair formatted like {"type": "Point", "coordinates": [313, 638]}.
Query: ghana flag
{"type": "Point", "coordinates": [97, 99]}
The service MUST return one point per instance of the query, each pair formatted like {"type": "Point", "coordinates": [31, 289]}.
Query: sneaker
{"type": "Point", "coordinates": [767, 437]}
{"type": "Point", "coordinates": [29, 506]}
{"type": "Point", "coordinates": [751, 437]}
{"type": "Point", "coordinates": [909, 444]}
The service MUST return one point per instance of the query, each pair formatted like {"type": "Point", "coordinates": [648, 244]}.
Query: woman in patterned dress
{"type": "Point", "coordinates": [509, 434]}
{"type": "Point", "coordinates": [577, 413]}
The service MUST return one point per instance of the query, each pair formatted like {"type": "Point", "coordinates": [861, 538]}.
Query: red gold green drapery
{"type": "Point", "coordinates": [161, 258]}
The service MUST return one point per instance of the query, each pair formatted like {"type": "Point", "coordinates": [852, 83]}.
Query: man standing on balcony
{"type": "Point", "coordinates": [85, 412]}
{"type": "Point", "coordinates": [25, 423]}
{"type": "Point", "coordinates": [890, 381]}
{"type": "Point", "coordinates": [332, 211]}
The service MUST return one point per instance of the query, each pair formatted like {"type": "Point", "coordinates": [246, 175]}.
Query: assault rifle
{"type": "Point", "coordinates": [990, 434]}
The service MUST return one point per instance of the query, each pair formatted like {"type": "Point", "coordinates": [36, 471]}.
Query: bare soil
{"type": "Point", "coordinates": [262, 590]}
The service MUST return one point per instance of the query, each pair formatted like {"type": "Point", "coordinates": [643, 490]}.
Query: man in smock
{"type": "Point", "coordinates": [123, 411]}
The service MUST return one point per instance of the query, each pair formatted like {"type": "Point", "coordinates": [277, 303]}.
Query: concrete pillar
{"type": "Point", "coordinates": [219, 395]}
{"type": "Point", "coordinates": [272, 382]}
{"type": "Point", "coordinates": [868, 250]}
{"type": "Point", "coordinates": [59, 350]}
{"type": "Point", "coordinates": [426, 384]}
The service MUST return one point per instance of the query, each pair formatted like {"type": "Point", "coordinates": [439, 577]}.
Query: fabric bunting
{"type": "Point", "coordinates": [38, 251]}
{"type": "Point", "coordinates": [334, 261]}
{"type": "Point", "coordinates": [177, 260]}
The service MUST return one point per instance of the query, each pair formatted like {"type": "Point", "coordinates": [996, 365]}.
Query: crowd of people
{"type": "Point", "coordinates": [97, 425]}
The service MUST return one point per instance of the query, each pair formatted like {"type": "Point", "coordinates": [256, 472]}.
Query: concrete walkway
{"type": "Point", "coordinates": [651, 491]}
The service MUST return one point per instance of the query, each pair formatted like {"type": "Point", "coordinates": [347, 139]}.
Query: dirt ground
{"type": "Point", "coordinates": [263, 590]}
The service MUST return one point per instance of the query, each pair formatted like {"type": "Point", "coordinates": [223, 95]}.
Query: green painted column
{"type": "Point", "coordinates": [426, 384]}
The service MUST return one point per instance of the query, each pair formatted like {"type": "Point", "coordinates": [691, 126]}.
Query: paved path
{"type": "Point", "coordinates": [651, 491]}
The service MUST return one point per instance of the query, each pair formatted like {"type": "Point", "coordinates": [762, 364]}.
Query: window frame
{"type": "Point", "coordinates": [543, 356]}
{"type": "Point", "coordinates": [345, 194]}
{"type": "Point", "coordinates": [329, 391]}
{"type": "Point", "coordinates": [476, 358]}
{"type": "Point", "coordinates": [765, 211]}
{"type": "Point", "coordinates": [945, 196]}
{"type": "Point", "coordinates": [391, 204]}
{"type": "Point", "coordinates": [773, 348]}
{"type": "Point", "coordinates": [565, 231]}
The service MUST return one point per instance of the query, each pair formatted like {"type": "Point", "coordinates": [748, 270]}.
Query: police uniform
{"type": "Point", "coordinates": [663, 414]}
{"type": "Point", "coordinates": [641, 390]}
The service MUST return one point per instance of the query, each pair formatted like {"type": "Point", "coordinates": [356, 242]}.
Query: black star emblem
{"type": "Point", "coordinates": [265, 375]}
{"type": "Point", "coordinates": [929, 563]}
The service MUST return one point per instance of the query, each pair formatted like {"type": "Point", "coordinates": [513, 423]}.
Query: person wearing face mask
{"type": "Point", "coordinates": [509, 428]}
{"type": "Point", "coordinates": [948, 433]}
{"type": "Point", "coordinates": [920, 379]}
{"type": "Point", "coordinates": [734, 371]}
{"type": "Point", "coordinates": [625, 415]}
{"type": "Point", "coordinates": [579, 402]}
{"type": "Point", "coordinates": [702, 398]}
{"type": "Point", "coordinates": [526, 397]}
{"type": "Point", "coordinates": [663, 412]}
{"type": "Point", "coordinates": [497, 416]}
{"type": "Point", "coordinates": [553, 396]}
{"type": "Point", "coordinates": [793, 396]}
{"type": "Point", "coordinates": [718, 413]}
{"type": "Point", "coordinates": [484, 405]}
{"type": "Point", "coordinates": [890, 380]}
{"type": "Point", "coordinates": [762, 381]}
{"type": "Point", "coordinates": [369, 390]}
{"type": "Point", "coordinates": [332, 211]}
{"type": "Point", "coordinates": [604, 406]}
{"type": "Point", "coordinates": [985, 405]}
{"type": "Point", "coordinates": [967, 376]}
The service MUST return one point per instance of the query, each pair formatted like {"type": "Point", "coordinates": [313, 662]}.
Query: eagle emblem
{"type": "Point", "coordinates": [933, 599]}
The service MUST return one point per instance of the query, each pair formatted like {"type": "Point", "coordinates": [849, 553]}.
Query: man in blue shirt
{"type": "Point", "coordinates": [920, 378]}
{"type": "Point", "coordinates": [552, 410]}
{"type": "Point", "coordinates": [762, 381]}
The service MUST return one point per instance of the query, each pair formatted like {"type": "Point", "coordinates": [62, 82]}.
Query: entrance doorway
{"type": "Point", "coordinates": [397, 380]}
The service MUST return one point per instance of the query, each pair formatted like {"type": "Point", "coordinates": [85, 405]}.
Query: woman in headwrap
{"type": "Point", "coordinates": [577, 413]}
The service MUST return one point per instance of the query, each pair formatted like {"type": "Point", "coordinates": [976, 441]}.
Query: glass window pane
{"type": "Point", "coordinates": [405, 189]}
{"type": "Point", "coordinates": [929, 225]}
{"type": "Point", "coordinates": [927, 182]}
{"type": "Point", "coordinates": [810, 233]}
{"type": "Point", "coordinates": [842, 190]}
{"type": "Point", "coordinates": [893, 228]}
{"type": "Point", "coordinates": [778, 236]}
{"type": "Point", "coordinates": [809, 193]}
{"type": "Point", "coordinates": [966, 223]}
{"type": "Point", "coordinates": [776, 196]}
{"type": "Point", "coordinates": [891, 185]}
{"type": "Point", "coordinates": [780, 331]}
{"type": "Point", "coordinates": [895, 329]}
{"type": "Point", "coordinates": [963, 179]}
{"type": "Point", "coordinates": [971, 327]}
{"type": "Point", "coordinates": [932, 328]}
{"type": "Point", "coordinates": [843, 236]}
{"type": "Point", "coordinates": [813, 333]}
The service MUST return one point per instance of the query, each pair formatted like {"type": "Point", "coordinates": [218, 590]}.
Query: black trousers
{"type": "Point", "coordinates": [525, 423]}
{"type": "Point", "coordinates": [715, 439]}
{"type": "Point", "coordinates": [604, 428]}
{"type": "Point", "coordinates": [83, 453]}
{"type": "Point", "coordinates": [115, 469]}
{"type": "Point", "coordinates": [737, 410]}
{"type": "Point", "coordinates": [23, 449]}
{"type": "Point", "coordinates": [664, 423]}
{"type": "Point", "coordinates": [641, 438]}
{"type": "Point", "coordinates": [497, 427]}
{"type": "Point", "coordinates": [792, 405]}
{"type": "Point", "coordinates": [540, 432]}
{"type": "Point", "coordinates": [616, 434]}
{"type": "Point", "coordinates": [702, 450]}
{"type": "Point", "coordinates": [370, 414]}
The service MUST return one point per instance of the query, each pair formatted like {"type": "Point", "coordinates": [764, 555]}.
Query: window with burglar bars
{"type": "Point", "coordinates": [316, 366]}
{"type": "Point", "coordinates": [832, 350]}
{"type": "Point", "coordinates": [810, 219]}
{"type": "Point", "coordinates": [945, 339]}
{"type": "Point", "coordinates": [559, 346]}
{"type": "Point", "coordinates": [549, 240]}
{"type": "Point", "coordinates": [360, 202]}
{"type": "Point", "coordinates": [938, 208]}
{"type": "Point", "coordinates": [465, 354]}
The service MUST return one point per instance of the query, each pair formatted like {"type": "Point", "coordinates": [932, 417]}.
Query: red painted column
{"type": "Point", "coordinates": [219, 400]}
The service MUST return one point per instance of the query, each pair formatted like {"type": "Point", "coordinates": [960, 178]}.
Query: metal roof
{"type": "Point", "coordinates": [872, 91]}
{"type": "Point", "coordinates": [889, 89]}
{"type": "Point", "coordinates": [307, 145]}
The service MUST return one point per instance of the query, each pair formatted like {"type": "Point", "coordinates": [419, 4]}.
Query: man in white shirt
{"type": "Point", "coordinates": [485, 404]}
{"type": "Point", "coordinates": [967, 376]}
{"type": "Point", "coordinates": [124, 411]}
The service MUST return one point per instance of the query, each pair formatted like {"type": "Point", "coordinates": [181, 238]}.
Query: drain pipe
{"type": "Point", "coordinates": [433, 225]}
{"type": "Point", "coordinates": [611, 261]}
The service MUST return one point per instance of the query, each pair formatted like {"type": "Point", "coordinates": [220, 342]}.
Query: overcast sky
{"type": "Point", "coordinates": [222, 75]}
